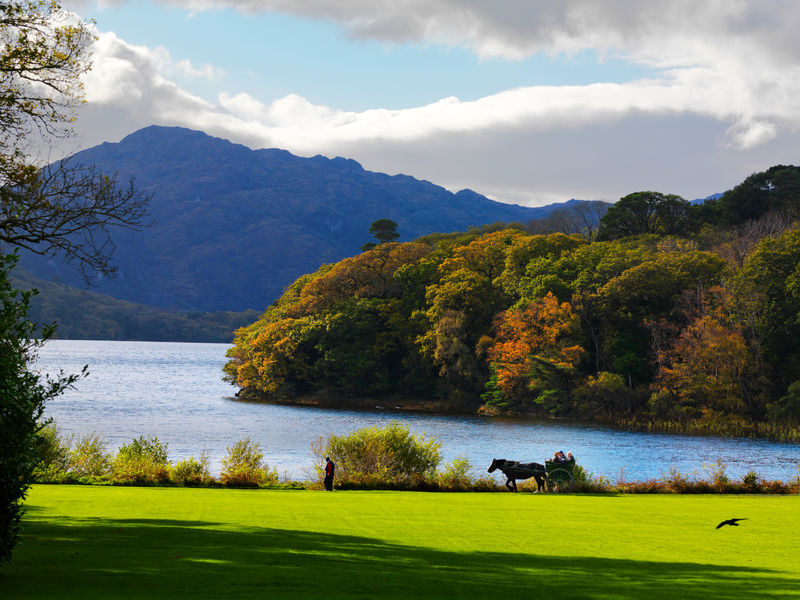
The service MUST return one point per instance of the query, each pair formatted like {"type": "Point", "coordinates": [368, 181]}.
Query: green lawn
{"type": "Point", "coordinates": [117, 542]}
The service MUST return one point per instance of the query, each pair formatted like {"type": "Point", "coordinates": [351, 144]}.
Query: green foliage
{"type": "Point", "coordinates": [654, 313]}
{"type": "Point", "coordinates": [89, 459]}
{"type": "Point", "coordinates": [52, 455]}
{"type": "Point", "coordinates": [776, 189]}
{"type": "Point", "coordinates": [82, 314]}
{"type": "Point", "coordinates": [457, 474]}
{"type": "Point", "coordinates": [787, 408]}
{"type": "Point", "coordinates": [148, 448]}
{"type": "Point", "coordinates": [646, 213]}
{"type": "Point", "coordinates": [23, 394]}
{"type": "Point", "coordinates": [383, 230]}
{"type": "Point", "coordinates": [766, 301]}
{"type": "Point", "coordinates": [607, 393]}
{"type": "Point", "coordinates": [389, 456]}
{"type": "Point", "coordinates": [244, 466]}
{"type": "Point", "coordinates": [191, 471]}
{"type": "Point", "coordinates": [143, 460]}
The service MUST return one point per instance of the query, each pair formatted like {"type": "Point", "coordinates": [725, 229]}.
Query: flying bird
{"type": "Point", "coordinates": [732, 522]}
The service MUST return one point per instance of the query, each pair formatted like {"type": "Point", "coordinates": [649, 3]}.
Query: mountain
{"type": "Point", "coordinates": [700, 201]}
{"type": "Point", "coordinates": [234, 226]}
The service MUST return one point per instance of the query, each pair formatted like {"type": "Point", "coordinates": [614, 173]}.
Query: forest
{"type": "Point", "coordinates": [661, 314]}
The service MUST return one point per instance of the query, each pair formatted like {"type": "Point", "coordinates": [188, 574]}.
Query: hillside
{"type": "Point", "coordinates": [81, 314]}
{"type": "Point", "coordinates": [234, 226]}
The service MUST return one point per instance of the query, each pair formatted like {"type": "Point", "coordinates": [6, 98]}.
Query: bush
{"type": "Point", "coordinates": [718, 478]}
{"type": "Point", "coordinates": [244, 466]}
{"type": "Point", "coordinates": [52, 455]}
{"type": "Point", "coordinates": [456, 475]}
{"type": "Point", "coordinates": [607, 393]}
{"type": "Point", "coordinates": [787, 408]}
{"type": "Point", "coordinates": [191, 471]}
{"type": "Point", "coordinates": [89, 460]}
{"type": "Point", "coordinates": [584, 481]}
{"type": "Point", "coordinates": [23, 392]}
{"type": "Point", "coordinates": [381, 457]}
{"type": "Point", "coordinates": [143, 460]}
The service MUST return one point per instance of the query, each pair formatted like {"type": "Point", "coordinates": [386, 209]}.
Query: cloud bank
{"type": "Point", "coordinates": [729, 69]}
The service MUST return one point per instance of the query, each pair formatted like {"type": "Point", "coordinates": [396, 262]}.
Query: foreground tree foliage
{"type": "Point", "coordinates": [22, 398]}
{"type": "Point", "coordinates": [666, 325]}
{"type": "Point", "coordinates": [61, 208]}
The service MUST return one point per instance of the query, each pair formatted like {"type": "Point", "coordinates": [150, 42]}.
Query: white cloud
{"type": "Point", "coordinates": [205, 71]}
{"type": "Point", "coordinates": [729, 68]}
{"type": "Point", "coordinates": [737, 60]}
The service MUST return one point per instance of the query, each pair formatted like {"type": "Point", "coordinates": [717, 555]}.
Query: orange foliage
{"type": "Point", "coordinates": [275, 356]}
{"type": "Point", "coordinates": [542, 329]}
{"type": "Point", "coordinates": [709, 366]}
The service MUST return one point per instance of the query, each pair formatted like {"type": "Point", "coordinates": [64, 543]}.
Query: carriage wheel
{"type": "Point", "coordinates": [559, 480]}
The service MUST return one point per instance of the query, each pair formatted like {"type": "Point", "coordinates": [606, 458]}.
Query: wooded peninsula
{"type": "Point", "coordinates": [661, 314]}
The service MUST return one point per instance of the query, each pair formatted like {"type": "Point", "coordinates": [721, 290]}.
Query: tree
{"type": "Point", "coordinates": [461, 307]}
{"type": "Point", "coordinates": [22, 397]}
{"type": "Point", "coordinates": [767, 291]}
{"type": "Point", "coordinates": [65, 207]}
{"type": "Point", "coordinates": [581, 217]}
{"type": "Point", "coordinates": [384, 230]}
{"type": "Point", "coordinates": [62, 208]}
{"type": "Point", "coordinates": [776, 189]}
{"type": "Point", "coordinates": [646, 212]}
{"type": "Point", "coordinates": [707, 369]}
{"type": "Point", "coordinates": [533, 357]}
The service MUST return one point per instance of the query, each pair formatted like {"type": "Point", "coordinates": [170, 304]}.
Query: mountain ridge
{"type": "Point", "coordinates": [234, 226]}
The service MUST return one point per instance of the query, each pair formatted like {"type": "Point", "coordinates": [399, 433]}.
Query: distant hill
{"type": "Point", "coordinates": [80, 314]}
{"type": "Point", "coordinates": [707, 198]}
{"type": "Point", "coordinates": [234, 226]}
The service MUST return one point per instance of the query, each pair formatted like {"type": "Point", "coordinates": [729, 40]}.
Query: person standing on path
{"type": "Point", "coordinates": [329, 470]}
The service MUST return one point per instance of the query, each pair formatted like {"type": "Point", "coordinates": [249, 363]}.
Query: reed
{"type": "Point", "coordinates": [720, 428]}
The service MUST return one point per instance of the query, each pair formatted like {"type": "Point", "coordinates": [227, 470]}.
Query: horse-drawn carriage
{"type": "Point", "coordinates": [553, 475]}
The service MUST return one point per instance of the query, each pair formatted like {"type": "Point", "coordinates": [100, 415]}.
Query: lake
{"type": "Point", "coordinates": [175, 391]}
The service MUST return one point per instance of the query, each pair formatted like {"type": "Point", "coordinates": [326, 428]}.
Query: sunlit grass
{"type": "Point", "coordinates": [121, 542]}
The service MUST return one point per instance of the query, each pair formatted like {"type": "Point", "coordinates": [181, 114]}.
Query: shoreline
{"type": "Point", "coordinates": [332, 401]}
{"type": "Point", "coordinates": [695, 427]}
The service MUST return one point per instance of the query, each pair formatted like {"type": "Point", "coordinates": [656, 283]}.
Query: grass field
{"type": "Point", "coordinates": [121, 542]}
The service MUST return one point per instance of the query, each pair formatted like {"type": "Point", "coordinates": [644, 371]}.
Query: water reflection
{"type": "Point", "coordinates": [175, 391]}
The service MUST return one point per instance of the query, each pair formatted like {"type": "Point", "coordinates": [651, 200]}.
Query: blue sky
{"type": "Point", "coordinates": [526, 101]}
{"type": "Point", "coordinates": [273, 55]}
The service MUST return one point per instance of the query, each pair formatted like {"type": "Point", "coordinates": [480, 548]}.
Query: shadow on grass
{"type": "Point", "coordinates": [98, 558]}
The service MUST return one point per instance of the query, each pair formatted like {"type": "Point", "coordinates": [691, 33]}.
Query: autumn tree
{"type": "Point", "coordinates": [370, 274]}
{"type": "Point", "coordinates": [767, 303]}
{"type": "Point", "coordinates": [461, 307]}
{"type": "Point", "coordinates": [534, 357]}
{"type": "Point", "coordinates": [707, 369]}
{"type": "Point", "coordinates": [649, 291]}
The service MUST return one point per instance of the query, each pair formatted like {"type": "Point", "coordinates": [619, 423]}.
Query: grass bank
{"type": "Point", "coordinates": [122, 542]}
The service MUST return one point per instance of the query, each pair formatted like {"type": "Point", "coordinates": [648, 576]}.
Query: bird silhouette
{"type": "Point", "coordinates": [732, 522]}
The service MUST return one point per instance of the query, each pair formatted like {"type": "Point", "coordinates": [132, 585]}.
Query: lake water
{"type": "Point", "coordinates": [175, 391]}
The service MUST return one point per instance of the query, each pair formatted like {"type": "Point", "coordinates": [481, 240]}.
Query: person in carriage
{"type": "Point", "coordinates": [560, 458]}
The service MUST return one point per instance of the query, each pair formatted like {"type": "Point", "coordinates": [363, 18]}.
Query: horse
{"type": "Point", "coordinates": [514, 470]}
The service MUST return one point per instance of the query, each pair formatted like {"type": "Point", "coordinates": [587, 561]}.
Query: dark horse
{"type": "Point", "coordinates": [514, 470]}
